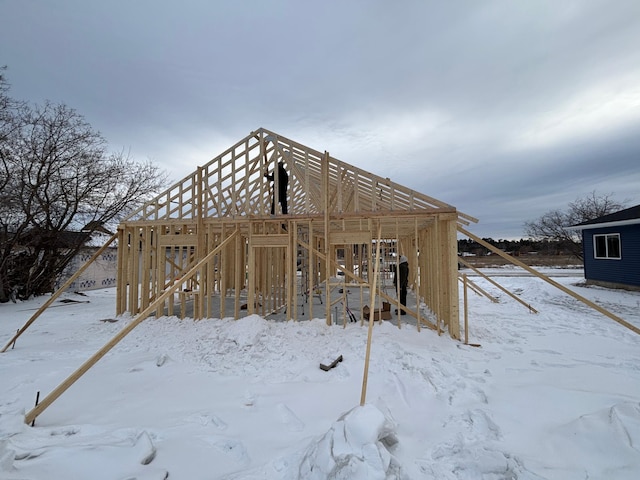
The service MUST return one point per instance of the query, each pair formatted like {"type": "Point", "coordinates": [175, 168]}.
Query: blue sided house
{"type": "Point", "coordinates": [611, 248]}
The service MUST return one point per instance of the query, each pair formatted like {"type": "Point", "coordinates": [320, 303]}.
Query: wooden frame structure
{"type": "Point", "coordinates": [212, 235]}
{"type": "Point", "coordinates": [332, 206]}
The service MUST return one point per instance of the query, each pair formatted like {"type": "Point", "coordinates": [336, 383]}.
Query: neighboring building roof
{"type": "Point", "coordinates": [628, 216]}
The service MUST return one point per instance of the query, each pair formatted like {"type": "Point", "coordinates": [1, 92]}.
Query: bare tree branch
{"type": "Point", "coordinates": [57, 176]}
{"type": "Point", "coordinates": [553, 224]}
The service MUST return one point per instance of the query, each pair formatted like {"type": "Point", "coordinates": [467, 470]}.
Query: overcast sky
{"type": "Point", "coordinates": [504, 109]}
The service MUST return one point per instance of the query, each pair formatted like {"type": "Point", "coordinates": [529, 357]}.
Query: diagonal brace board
{"type": "Point", "coordinates": [60, 389]}
{"type": "Point", "coordinates": [566, 290]}
{"type": "Point", "coordinates": [333, 263]}
{"type": "Point", "coordinates": [365, 376]}
{"type": "Point", "coordinates": [493, 282]}
{"type": "Point", "coordinates": [59, 292]}
{"type": "Point", "coordinates": [476, 288]}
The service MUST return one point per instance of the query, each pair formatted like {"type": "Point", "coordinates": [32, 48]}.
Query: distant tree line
{"type": "Point", "coordinates": [517, 247]}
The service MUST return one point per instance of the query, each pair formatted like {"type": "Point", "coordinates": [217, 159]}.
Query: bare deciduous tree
{"type": "Point", "coordinates": [553, 224]}
{"type": "Point", "coordinates": [59, 184]}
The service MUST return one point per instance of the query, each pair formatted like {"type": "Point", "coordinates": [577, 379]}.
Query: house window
{"type": "Point", "coordinates": [607, 246]}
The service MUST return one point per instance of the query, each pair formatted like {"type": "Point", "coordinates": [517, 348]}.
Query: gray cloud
{"type": "Point", "coordinates": [503, 109]}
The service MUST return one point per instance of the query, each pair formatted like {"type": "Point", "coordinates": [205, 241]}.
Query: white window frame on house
{"type": "Point", "coordinates": [606, 255]}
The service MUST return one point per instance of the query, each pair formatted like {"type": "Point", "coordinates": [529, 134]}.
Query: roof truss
{"type": "Point", "coordinates": [232, 185]}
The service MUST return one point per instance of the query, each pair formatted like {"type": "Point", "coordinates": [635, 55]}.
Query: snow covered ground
{"type": "Point", "coordinates": [553, 395]}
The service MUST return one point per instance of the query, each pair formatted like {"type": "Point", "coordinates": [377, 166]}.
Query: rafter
{"type": "Point", "coordinates": [233, 185]}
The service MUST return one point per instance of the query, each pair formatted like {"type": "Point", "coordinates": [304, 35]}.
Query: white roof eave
{"type": "Point", "coordinates": [619, 223]}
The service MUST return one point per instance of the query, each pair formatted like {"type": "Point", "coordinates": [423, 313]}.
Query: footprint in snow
{"type": "Point", "coordinates": [551, 352]}
{"type": "Point", "coordinates": [249, 400]}
{"type": "Point", "coordinates": [480, 426]}
{"type": "Point", "coordinates": [161, 360]}
{"type": "Point", "coordinates": [234, 449]}
{"type": "Point", "coordinates": [214, 420]}
{"type": "Point", "coordinates": [289, 418]}
{"type": "Point", "coordinates": [220, 424]}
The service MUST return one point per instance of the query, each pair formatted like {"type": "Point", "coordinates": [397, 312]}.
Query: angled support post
{"type": "Point", "coordinates": [365, 377]}
{"type": "Point", "coordinates": [580, 298]}
{"type": "Point", "coordinates": [59, 292]}
{"type": "Point", "coordinates": [60, 389]}
{"type": "Point", "coordinates": [493, 282]}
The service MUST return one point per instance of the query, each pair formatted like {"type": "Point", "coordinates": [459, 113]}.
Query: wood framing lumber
{"type": "Point", "coordinates": [493, 282]}
{"type": "Point", "coordinates": [327, 230]}
{"type": "Point", "coordinates": [350, 238]}
{"type": "Point", "coordinates": [333, 263]}
{"type": "Point", "coordinates": [351, 276]}
{"type": "Point", "coordinates": [342, 205]}
{"type": "Point", "coordinates": [365, 376]}
{"type": "Point", "coordinates": [476, 288]}
{"type": "Point", "coordinates": [60, 389]}
{"type": "Point", "coordinates": [402, 307]}
{"type": "Point", "coordinates": [580, 298]}
{"type": "Point", "coordinates": [466, 310]}
{"type": "Point", "coordinates": [271, 240]}
{"type": "Point", "coordinates": [228, 185]}
{"type": "Point", "coordinates": [437, 263]}
{"type": "Point", "coordinates": [333, 364]}
{"type": "Point", "coordinates": [418, 289]}
{"type": "Point", "coordinates": [60, 291]}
